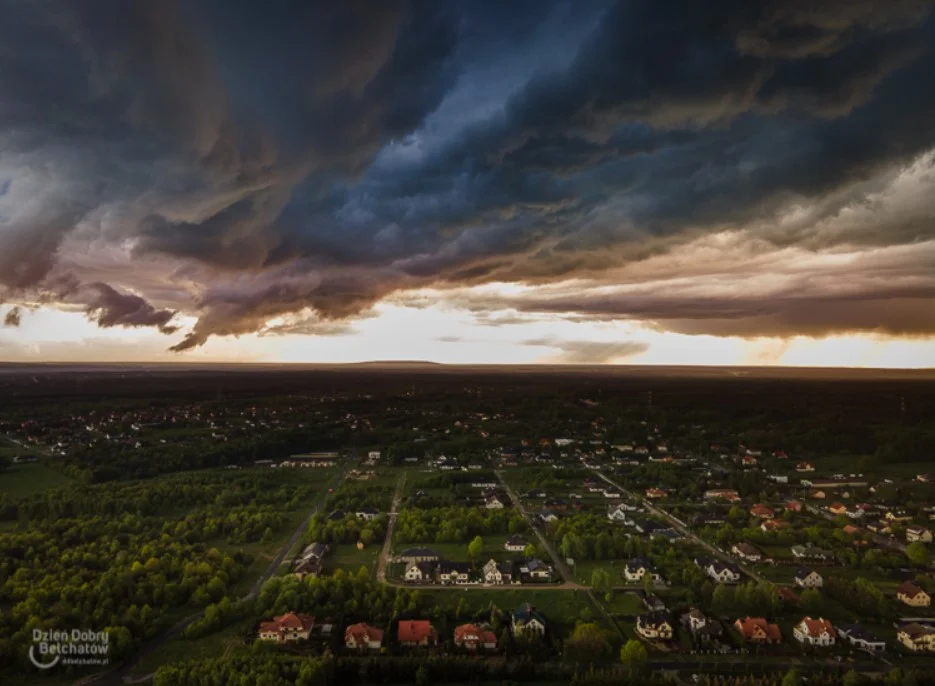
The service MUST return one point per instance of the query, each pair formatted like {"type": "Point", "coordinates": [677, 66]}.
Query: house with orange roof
{"type": "Point", "coordinates": [416, 632]}
{"type": "Point", "coordinates": [762, 511]}
{"type": "Point", "coordinates": [472, 637]}
{"type": "Point", "coordinates": [655, 493]}
{"type": "Point", "coordinates": [815, 632]}
{"type": "Point", "coordinates": [286, 628]}
{"type": "Point", "coordinates": [837, 508]}
{"type": "Point", "coordinates": [363, 637]}
{"type": "Point", "coordinates": [758, 630]}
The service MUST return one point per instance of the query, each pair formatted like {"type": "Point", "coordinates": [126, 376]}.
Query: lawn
{"type": "Point", "coordinates": [628, 604]}
{"type": "Point", "coordinates": [350, 559]}
{"type": "Point", "coordinates": [26, 479]}
{"type": "Point", "coordinates": [585, 568]}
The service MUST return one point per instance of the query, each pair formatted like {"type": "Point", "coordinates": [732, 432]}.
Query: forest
{"type": "Point", "coordinates": [455, 524]}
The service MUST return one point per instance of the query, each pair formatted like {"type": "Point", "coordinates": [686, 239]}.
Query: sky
{"type": "Point", "coordinates": [474, 181]}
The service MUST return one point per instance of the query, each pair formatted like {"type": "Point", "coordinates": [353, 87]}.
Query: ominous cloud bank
{"type": "Point", "coordinates": [249, 163]}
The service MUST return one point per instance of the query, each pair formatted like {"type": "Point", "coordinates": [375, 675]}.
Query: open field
{"type": "Point", "coordinates": [211, 646]}
{"type": "Point", "coordinates": [350, 559]}
{"type": "Point", "coordinates": [33, 477]}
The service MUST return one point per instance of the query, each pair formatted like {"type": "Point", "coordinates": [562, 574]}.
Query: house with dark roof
{"type": "Point", "coordinates": [536, 569]}
{"type": "Point", "coordinates": [723, 572]}
{"type": "Point", "coordinates": [746, 551]}
{"type": "Point", "coordinates": [638, 567]}
{"type": "Point", "coordinates": [916, 637]}
{"type": "Point", "coordinates": [861, 638]}
{"type": "Point", "coordinates": [526, 620]}
{"type": "Point", "coordinates": [419, 572]}
{"type": "Point", "coordinates": [808, 578]}
{"type": "Point", "coordinates": [515, 543]}
{"type": "Point", "coordinates": [912, 595]}
{"type": "Point", "coordinates": [454, 572]}
{"type": "Point", "coordinates": [703, 629]}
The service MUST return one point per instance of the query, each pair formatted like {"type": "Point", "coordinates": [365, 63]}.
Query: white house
{"type": "Point", "coordinates": [815, 632]}
{"type": "Point", "coordinates": [808, 578]}
{"type": "Point", "coordinates": [418, 571]}
{"type": "Point", "coordinates": [526, 620]}
{"type": "Point", "coordinates": [493, 503]}
{"type": "Point", "coordinates": [722, 573]}
{"type": "Point", "coordinates": [860, 638]}
{"type": "Point", "coordinates": [515, 544]}
{"type": "Point", "coordinates": [637, 568]}
{"type": "Point", "coordinates": [918, 534]}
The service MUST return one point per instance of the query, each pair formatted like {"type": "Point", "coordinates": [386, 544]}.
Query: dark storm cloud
{"type": "Point", "coordinates": [108, 307]}
{"type": "Point", "coordinates": [317, 156]}
{"type": "Point", "coordinates": [589, 352]}
{"type": "Point", "coordinates": [13, 317]}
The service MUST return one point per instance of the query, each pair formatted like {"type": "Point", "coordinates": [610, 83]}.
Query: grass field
{"type": "Point", "coordinates": [585, 568]}
{"type": "Point", "coordinates": [350, 559]}
{"type": "Point", "coordinates": [628, 604]}
{"type": "Point", "coordinates": [26, 479]}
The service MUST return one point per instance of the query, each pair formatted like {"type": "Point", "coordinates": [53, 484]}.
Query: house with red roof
{"type": "Point", "coordinates": [762, 511]}
{"type": "Point", "coordinates": [416, 632]}
{"type": "Point", "coordinates": [286, 628]}
{"type": "Point", "coordinates": [363, 637]}
{"type": "Point", "coordinates": [794, 505]}
{"type": "Point", "coordinates": [758, 630]}
{"type": "Point", "coordinates": [837, 508]}
{"type": "Point", "coordinates": [815, 632]}
{"type": "Point", "coordinates": [472, 637]}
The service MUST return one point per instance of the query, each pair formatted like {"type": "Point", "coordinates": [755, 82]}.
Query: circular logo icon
{"type": "Point", "coordinates": [39, 663]}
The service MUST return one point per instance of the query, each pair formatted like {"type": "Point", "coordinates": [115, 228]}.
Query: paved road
{"type": "Point", "coordinates": [566, 574]}
{"type": "Point", "coordinates": [390, 527]}
{"type": "Point", "coordinates": [659, 512]}
{"type": "Point", "coordinates": [121, 674]}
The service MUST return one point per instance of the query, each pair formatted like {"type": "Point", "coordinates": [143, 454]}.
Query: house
{"type": "Point", "coordinates": [556, 504]}
{"type": "Point", "coordinates": [493, 503]}
{"type": "Point", "coordinates": [472, 637]}
{"type": "Point", "coordinates": [536, 570]}
{"type": "Point", "coordinates": [747, 552]}
{"type": "Point", "coordinates": [418, 555]}
{"type": "Point", "coordinates": [655, 493]}
{"type": "Point", "coordinates": [419, 572]}
{"type": "Point", "coordinates": [816, 494]}
{"type": "Point", "coordinates": [758, 630]}
{"type": "Point", "coordinates": [547, 516]}
{"type": "Point", "coordinates": [526, 620]}
{"type": "Point", "coordinates": [912, 595]}
{"type": "Point", "coordinates": [925, 478]}
{"type": "Point", "coordinates": [700, 627]}
{"type": "Point", "coordinates": [794, 506]}
{"type": "Point", "coordinates": [810, 552]}
{"type": "Point", "coordinates": [805, 467]}
{"type": "Point", "coordinates": [497, 572]}
{"type": "Point", "coordinates": [808, 578]}
{"type": "Point", "coordinates": [917, 533]}
{"type": "Point", "coordinates": [363, 637]}
{"type": "Point", "coordinates": [611, 493]}
{"type": "Point", "coordinates": [860, 638]}
{"type": "Point", "coordinates": [748, 460]}
{"type": "Point", "coordinates": [286, 628]}
{"type": "Point", "coordinates": [454, 572]}
{"type": "Point", "coordinates": [917, 637]}
{"type": "Point", "coordinates": [515, 544]}
{"type": "Point", "coordinates": [761, 511]}
{"type": "Point", "coordinates": [728, 494]}
{"type": "Point", "coordinates": [654, 626]}
{"type": "Point", "coordinates": [367, 513]}
{"type": "Point", "coordinates": [535, 493]}
{"type": "Point", "coordinates": [618, 513]}
{"type": "Point", "coordinates": [774, 525]}
{"type": "Point", "coordinates": [815, 632]}
{"type": "Point", "coordinates": [723, 572]}
{"type": "Point", "coordinates": [837, 508]}
{"type": "Point", "coordinates": [337, 516]}
{"type": "Point", "coordinates": [787, 596]}
{"type": "Point", "coordinates": [652, 602]}
{"type": "Point", "coordinates": [310, 567]}
{"type": "Point", "coordinates": [850, 529]}
{"type": "Point", "coordinates": [416, 632]}
{"type": "Point", "coordinates": [780, 455]}
{"type": "Point", "coordinates": [637, 567]}
{"type": "Point", "coordinates": [898, 516]}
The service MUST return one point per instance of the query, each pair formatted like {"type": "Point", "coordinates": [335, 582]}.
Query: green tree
{"type": "Point", "coordinates": [601, 581]}
{"type": "Point", "coordinates": [529, 550]}
{"type": "Point", "coordinates": [587, 642]}
{"type": "Point", "coordinates": [634, 656]}
{"type": "Point", "coordinates": [791, 678]}
{"type": "Point", "coordinates": [422, 676]}
{"type": "Point", "coordinates": [852, 678]}
{"type": "Point", "coordinates": [475, 548]}
{"type": "Point", "coordinates": [917, 553]}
